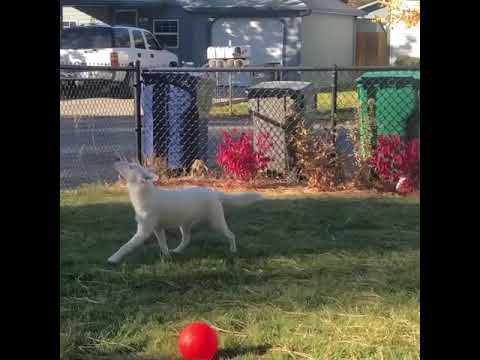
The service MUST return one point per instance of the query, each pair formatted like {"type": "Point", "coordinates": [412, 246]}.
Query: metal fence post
{"type": "Point", "coordinates": [138, 109]}
{"type": "Point", "coordinates": [230, 92]}
{"type": "Point", "coordinates": [333, 113]}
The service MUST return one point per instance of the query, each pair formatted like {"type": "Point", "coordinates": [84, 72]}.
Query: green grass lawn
{"type": "Point", "coordinates": [238, 109]}
{"type": "Point", "coordinates": [317, 277]}
{"type": "Point", "coordinates": [345, 100]}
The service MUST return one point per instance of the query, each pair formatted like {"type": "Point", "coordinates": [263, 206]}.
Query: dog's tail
{"type": "Point", "coordinates": [241, 199]}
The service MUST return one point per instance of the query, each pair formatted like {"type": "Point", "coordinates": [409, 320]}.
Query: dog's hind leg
{"type": "Point", "coordinates": [186, 236]}
{"type": "Point", "coordinates": [231, 238]}
{"type": "Point", "coordinates": [162, 241]}
{"type": "Point", "coordinates": [142, 234]}
{"type": "Point", "coordinates": [219, 223]}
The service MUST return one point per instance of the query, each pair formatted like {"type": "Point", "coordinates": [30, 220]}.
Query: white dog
{"type": "Point", "coordinates": [157, 209]}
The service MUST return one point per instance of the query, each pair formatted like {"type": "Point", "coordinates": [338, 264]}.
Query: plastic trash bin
{"type": "Point", "coordinates": [392, 98]}
{"type": "Point", "coordinates": [175, 124]}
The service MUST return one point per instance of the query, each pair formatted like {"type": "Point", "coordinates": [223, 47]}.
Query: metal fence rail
{"type": "Point", "coordinates": [180, 115]}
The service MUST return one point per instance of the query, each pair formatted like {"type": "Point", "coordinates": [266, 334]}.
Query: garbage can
{"type": "Point", "coordinates": [175, 124]}
{"type": "Point", "coordinates": [276, 107]}
{"type": "Point", "coordinates": [391, 101]}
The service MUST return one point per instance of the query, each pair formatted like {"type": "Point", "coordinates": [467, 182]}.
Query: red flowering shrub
{"type": "Point", "coordinates": [395, 159]}
{"type": "Point", "coordinates": [237, 157]}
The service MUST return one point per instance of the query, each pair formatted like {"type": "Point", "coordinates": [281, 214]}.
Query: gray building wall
{"type": "Point", "coordinates": [293, 41]}
{"type": "Point", "coordinates": [289, 40]}
{"type": "Point", "coordinates": [195, 30]}
{"type": "Point", "coordinates": [328, 39]}
{"type": "Point", "coordinates": [191, 28]}
{"type": "Point", "coordinates": [71, 14]}
{"type": "Point", "coordinates": [101, 13]}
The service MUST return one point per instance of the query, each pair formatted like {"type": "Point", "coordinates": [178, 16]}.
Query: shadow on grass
{"type": "Point", "coordinates": [289, 240]}
{"type": "Point", "coordinates": [269, 229]}
{"type": "Point", "coordinates": [223, 354]}
{"type": "Point", "coordinates": [234, 352]}
{"type": "Point", "coordinates": [294, 254]}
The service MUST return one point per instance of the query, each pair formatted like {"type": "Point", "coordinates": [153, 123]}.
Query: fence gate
{"type": "Point", "coordinates": [372, 49]}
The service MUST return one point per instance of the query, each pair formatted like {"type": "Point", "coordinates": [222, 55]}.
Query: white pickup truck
{"type": "Point", "coordinates": [113, 46]}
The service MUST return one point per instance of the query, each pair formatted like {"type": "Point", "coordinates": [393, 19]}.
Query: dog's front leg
{"type": "Point", "coordinates": [162, 241]}
{"type": "Point", "coordinates": [185, 230]}
{"type": "Point", "coordinates": [138, 239]}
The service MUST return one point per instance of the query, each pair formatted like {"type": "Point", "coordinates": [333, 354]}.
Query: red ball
{"type": "Point", "coordinates": [198, 341]}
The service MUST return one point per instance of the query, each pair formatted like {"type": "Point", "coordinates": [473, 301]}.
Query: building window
{"type": "Point", "coordinates": [166, 32]}
{"type": "Point", "coordinates": [68, 24]}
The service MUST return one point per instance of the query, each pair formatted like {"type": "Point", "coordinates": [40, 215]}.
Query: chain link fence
{"type": "Point", "coordinates": [226, 121]}
{"type": "Point", "coordinates": [97, 121]}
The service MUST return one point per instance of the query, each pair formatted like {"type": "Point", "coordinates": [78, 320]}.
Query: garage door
{"type": "Point", "coordinates": [265, 36]}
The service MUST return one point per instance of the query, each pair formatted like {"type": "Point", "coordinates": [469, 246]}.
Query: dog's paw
{"type": "Point", "coordinates": [230, 261]}
{"type": "Point", "coordinates": [166, 257]}
{"type": "Point", "coordinates": [112, 261]}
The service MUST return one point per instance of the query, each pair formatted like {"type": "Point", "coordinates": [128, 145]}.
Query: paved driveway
{"type": "Point", "coordinates": [92, 132]}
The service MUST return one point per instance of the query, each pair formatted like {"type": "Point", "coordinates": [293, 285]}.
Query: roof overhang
{"type": "Point", "coordinates": [210, 7]}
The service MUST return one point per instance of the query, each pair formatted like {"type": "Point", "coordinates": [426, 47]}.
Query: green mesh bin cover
{"type": "Point", "coordinates": [396, 96]}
